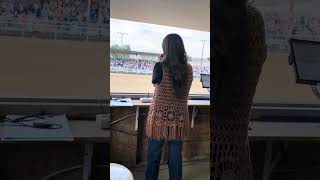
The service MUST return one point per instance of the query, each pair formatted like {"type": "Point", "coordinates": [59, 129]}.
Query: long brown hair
{"type": "Point", "coordinates": [175, 58]}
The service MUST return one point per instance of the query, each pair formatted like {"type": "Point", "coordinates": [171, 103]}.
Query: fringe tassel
{"type": "Point", "coordinates": [166, 132]}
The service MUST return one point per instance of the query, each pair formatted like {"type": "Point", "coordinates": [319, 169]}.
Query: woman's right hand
{"type": "Point", "coordinates": [161, 57]}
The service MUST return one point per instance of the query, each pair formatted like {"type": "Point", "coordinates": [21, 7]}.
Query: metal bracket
{"type": "Point", "coordinates": [194, 113]}
{"type": "Point", "coordinates": [87, 165]}
{"type": "Point", "coordinates": [137, 119]}
{"type": "Point", "coordinates": [269, 162]}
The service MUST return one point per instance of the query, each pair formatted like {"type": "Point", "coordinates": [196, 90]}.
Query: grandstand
{"type": "Point", "coordinates": [61, 19]}
{"type": "Point", "coordinates": [142, 63]}
{"type": "Point", "coordinates": [288, 21]}
{"type": "Point", "coordinates": [278, 30]}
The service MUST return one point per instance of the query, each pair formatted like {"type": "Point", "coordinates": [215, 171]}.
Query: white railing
{"type": "Point", "coordinates": [44, 29]}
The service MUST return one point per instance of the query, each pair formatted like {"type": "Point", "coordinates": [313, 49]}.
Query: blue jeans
{"type": "Point", "coordinates": [154, 158]}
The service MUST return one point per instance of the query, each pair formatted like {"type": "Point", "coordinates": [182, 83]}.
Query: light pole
{"type": "Point", "coordinates": [292, 17]}
{"type": "Point", "coordinates": [122, 34]}
{"type": "Point", "coordinates": [88, 10]}
{"type": "Point", "coordinates": [203, 41]}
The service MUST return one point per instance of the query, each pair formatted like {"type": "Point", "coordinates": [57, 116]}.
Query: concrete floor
{"type": "Point", "coordinates": [195, 170]}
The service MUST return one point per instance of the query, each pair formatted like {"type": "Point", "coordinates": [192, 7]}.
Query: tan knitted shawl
{"type": "Point", "coordinates": [230, 156]}
{"type": "Point", "coordinates": [168, 116]}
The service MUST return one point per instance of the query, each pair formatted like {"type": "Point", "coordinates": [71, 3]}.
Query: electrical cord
{"type": "Point", "coordinates": [24, 118]}
{"type": "Point", "coordinates": [125, 132]}
{"type": "Point", "coordinates": [67, 170]}
{"type": "Point", "coordinates": [123, 118]}
{"type": "Point", "coordinates": [36, 125]}
{"type": "Point", "coordinates": [20, 121]}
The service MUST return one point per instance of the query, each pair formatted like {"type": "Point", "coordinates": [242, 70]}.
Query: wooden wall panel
{"type": "Point", "coordinates": [53, 68]}
{"type": "Point", "coordinates": [123, 137]}
{"type": "Point", "coordinates": [277, 83]}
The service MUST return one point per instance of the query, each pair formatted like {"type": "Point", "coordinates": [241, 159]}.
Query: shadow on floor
{"type": "Point", "coordinates": [195, 170]}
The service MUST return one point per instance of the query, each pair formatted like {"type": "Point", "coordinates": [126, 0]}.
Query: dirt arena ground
{"type": "Point", "coordinates": [133, 83]}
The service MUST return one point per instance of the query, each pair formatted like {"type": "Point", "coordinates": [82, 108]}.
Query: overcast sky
{"type": "Point", "coordinates": [148, 37]}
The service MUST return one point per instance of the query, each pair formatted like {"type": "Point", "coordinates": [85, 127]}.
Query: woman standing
{"type": "Point", "coordinates": [168, 118]}
{"type": "Point", "coordinates": [239, 53]}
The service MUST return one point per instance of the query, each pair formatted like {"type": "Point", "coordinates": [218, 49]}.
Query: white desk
{"type": "Point", "coordinates": [292, 131]}
{"type": "Point", "coordinates": [87, 133]}
{"type": "Point", "coordinates": [281, 131]}
{"type": "Point", "coordinates": [193, 103]}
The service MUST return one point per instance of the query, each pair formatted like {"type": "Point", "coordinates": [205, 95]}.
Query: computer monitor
{"type": "Point", "coordinates": [305, 57]}
{"type": "Point", "coordinates": [205, 79]}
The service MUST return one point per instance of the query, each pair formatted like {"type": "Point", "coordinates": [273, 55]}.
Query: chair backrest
{"type": "Point", "coordinates": [119, 172]}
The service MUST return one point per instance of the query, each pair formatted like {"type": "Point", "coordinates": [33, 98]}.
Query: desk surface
{"type": "Point", "coordinates": [191, 103]}
{"type": "Point", "coordinates": [293, 131]}
{"type": "Point", "coordinates": [87, 131]}
{"type": "Point", "coordinates": [83, 131]}
{"type": "Point", "coordinates": [284, 131]}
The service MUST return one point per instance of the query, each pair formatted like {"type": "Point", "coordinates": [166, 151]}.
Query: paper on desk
{"type": "Point", "coordinates": [117, 102]}
{"type": "Point", "coordinates": [21, 133]}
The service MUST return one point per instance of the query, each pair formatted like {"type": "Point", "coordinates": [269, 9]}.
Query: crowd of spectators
{"type": "Point", "coordinates": [280, 25]}
{"type": "Point", "coordinates": [131, 66]}
{"type": "Point", "coordinates": [58, 11]}
{"type": "Point", "coordinates": [145, 67]}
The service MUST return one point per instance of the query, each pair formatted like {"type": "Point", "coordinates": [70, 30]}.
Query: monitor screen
{"type": "Point", "coordinates": [305, 56]}
{"type": "Point", "coordinates": [205, 79]}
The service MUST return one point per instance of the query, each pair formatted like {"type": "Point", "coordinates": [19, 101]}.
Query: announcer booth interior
{"type": "Point", "coordinates": [54, 77]}
{"type": "Point", "coordinates": [285, 117]}
{"type": "Point", "coordinates": [137, 29]}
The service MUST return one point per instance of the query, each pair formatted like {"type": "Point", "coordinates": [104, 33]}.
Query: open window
{"type": "Point", "coordinates": [135, 48]}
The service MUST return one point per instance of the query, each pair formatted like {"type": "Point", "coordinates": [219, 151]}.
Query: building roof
{"type": "Point", "coordinates": [188, 14]}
